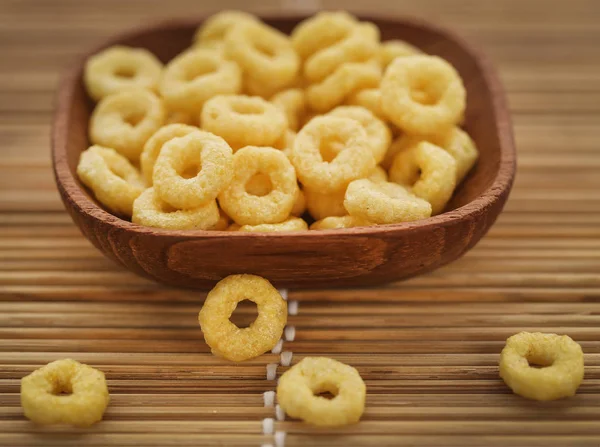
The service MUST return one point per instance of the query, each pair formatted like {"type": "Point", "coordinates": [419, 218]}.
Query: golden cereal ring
{"type": "Point", "coordinates": [260, 185]}
{"type": "Point", "coordinates": [64, 392]}
{"type": "Point", "coordinates": [234, 227]}
{"type": "Point", "coordinates": [560, 360]}
{"type": "Point", "coordinates": [299, 387]}
{"type": "Point", "coordinates": [289, 225]}
{"type": "Point", "coordinates": [225, 338]}
{"type": "Point", "coordinates": [299, 207]}
{"type": "Point", "coordinates": [216, 28]}
{"type": "Point", "coordinates": [369, 98]}
{"type": "Point", "coordinates": [125, 121]}
{"type": "Point", "coordinates": [275, 206]}
{"type": "Point", "coordinates": [149, 210]}
{"type": "Point", "coordinates": [378, 133]}
{"type": "Point", "coordinates": [154, 145]}
{"type": "Point", "coordinates": [223, 222]}
{"type": "Point", "coordinates": [340, 137]}
{"type": "Point", "coordinates": [392, 49]}
{"type": "Point", "coordinates": [120, 68]}
{"type": "Point", "coordinates": [192, 170]}
{"type": "Point", "coordinates": [321, 30]}
{"type": "Point", "coordinates": [113, 179]}
{"type": "Point", "coordinates": [285, 141]}
{"type": "Point", "coordinates": [384, 202]}
{"type": "Point", "coordinates": [340, 222]}
{"type": "Point", "coordinates": [264, 53]}
{"type": "Point", "coordinates": [293, 104]}
{"type": "Point", "coordinates": [422, 94]}
{"type": "Point", "coordinates": [346, 80]}
{"type": "Point", "coordinates": [244, 120]}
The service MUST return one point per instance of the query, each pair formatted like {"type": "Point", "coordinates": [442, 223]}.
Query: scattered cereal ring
{"type": "Point", "coordinates": [84, 400]}
{"type": "Point", "coordinates": [112, 178]}
{"type": "Point", "coordinates": [321, 30]}
{"type": "Point", "coordinates": [560, 360]}
{"type": "Point", "coordinates": [299, 387]}
{"type": "Point", "coordinates": [216, 28]}
{"type": "Point", "coordinates": [340, 222]}
{"type": "Point", "coordinates": [195, 76]}
{"type": "Point", "coordinates": [422, 94]}
{"type": "Point", "coordinates": [125, 121]}
{"type": "Point", "coordinates": [149, 210]}
{"type": "Point", "coordinates": [120, 68]}
{"type": "Point", "coordinates": [369, 98]}
{"type": "Point", "coordinates": [384, 202]}
{"type": "Point", "coordinates": [289, 225]}
{"type": "Point", "coordinates": [192, 170]}
{"type": "Point", "coordinates": [392, 49]}
{"type": "Point", "coordinates": [437, 179]}
{"type": "Point", "coordinates": [244, 120]}
{"type": "Point", "coordinates": [299, 204]}
{"type": "Point", "coordinates": [341, 137]}
{"type": "Point", "coordinates": [154, 145]}
{"type": "Point", "coordinates": [275, 206]}
{"type": "Point", "coordinates": [293, 105]}
{"type": "Point", "coordinates": [225, 338]}
{"type": "Point", "coordinates": [378, 133]}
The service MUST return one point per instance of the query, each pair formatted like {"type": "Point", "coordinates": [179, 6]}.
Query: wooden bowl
{"type": "Point", "coordinates": [352, 257]}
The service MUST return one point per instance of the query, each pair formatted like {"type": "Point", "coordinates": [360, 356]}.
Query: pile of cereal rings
{"type": "Point", "coordinates": [253, 130]}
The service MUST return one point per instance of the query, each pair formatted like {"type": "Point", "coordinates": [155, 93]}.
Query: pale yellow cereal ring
{"type": "Point", "coordinates": [299, 207]}
{"type": "Point", "coordinates": [260, 185]}
{"type": "Point", "coordinates": [369, 98]}
{"type": "Point", "coordinates": [120, 68]}
{"type": "Point", "coordinates": [125, 121]}
{"type": "Point", "coordinates": [422, 94]}
{"type": "Point", "coordinates": [340, 222]}
{"type": "Point", "coordinates": [392, 49]}
{"type": "Point", "coordinates": [192, 170]}
{"type": "Point", "coordinates": [321, 30]}
{"type": "Point", "coordinates": [154, 145]}
{"type": "Point", "coordinates": [289, 225]}
{"type": "Point", "coordinates": [149, 210]}
{"type": "Point", "coordinates": [430, 170]}
{"type": "Point", "coordinates": [225, 338]}
{"type": "Point", "coordinates": [112, 178]}
{"type": "Point", "coordinates": [299, 387]}
{"type": "Point", "coordinates": [378, 133]}
{"type": "Point", "coordinates": [64, 392]}
{"type": "Point", "coordinates": [274, 207]}
{"type": "Point", "coordinates": [216, 28]}
{"type": "Point", "coordinates": [195, 76]}
{"type": "Point", "coordinates": [341, 136]}
{"type": "Point", "coordinates": [223, 222]}
{"type": "Point", "coordinates": [293, 104]}
{"type": "Point", "coordinates": [244, 120]}
{"type": "Point", "coordinates": [286, 140]}
{"type": "Point", "coordinates": [560, 362]}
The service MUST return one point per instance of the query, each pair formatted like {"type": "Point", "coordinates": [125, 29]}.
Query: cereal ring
{"type": "Point", "coordinates": [560, 360]}
{"type": "Point", "coordinates": [264, 53]}
{"type": "Point", "coordinates": [384, 202]}
{"type": "Point", "coordinates": [346, 80]}
{"type": "Point", "coordinates": [437, 177]}
{"type": "Point", "coordinates": [328, 135]}
{"type": "Point", "coordinates": [299, 207]}
{"type": "Point", "coordinates": [392, 49]}
{"type": "Point", "coordinates": [149, 210]}
{"type": "Point", "coordinates": [321, 30]}
{"type": "Point", "coordinates": [292, 224]}
{"type": "Point", "coordinates": [125, 121]}
{"type": "Point", "coordinates": [293, 105]}
{"type": "Point", "coordinates": [422, 94]}
{"type": "Point", "coordinates": [234, 227]}
{"type": "Point", "coordinates": [246, 208]}
{"type": "Point", "coordinates": [340, 222]}
{"type": "Point", "coordinates": [192, 170]}
{"type": "Point", "coordinates": [176, 117]}
{"type": "Point", "coordinates": [378, 175]}
{"type": "Point", "coordinates": [154, 145]}
{"type": "Point", "coordinates": [299, 387]}
{"type": "Point", "coordinates": [216, 28]}
{"type": "Point", "coordinates": [112, 178]}
{"type": "Point", "coordinates": [369, 98]}
{"type": "Point", "coordinates": [244, 120]}
{"type": "Point", "coordinates": [64, 392]}
{"type": "Point", "coordinates": [285, 141]}
{"type": "Point", "coordinates": [378, 133]}
{"type": "Point", "coordinates": [225, 338]}
{"type": "Point", "coordinates": [223, 222]}
{"type": "Point", "coordinates": [120, 68]}
{"type": "Point", "coordinates": [195, 76]}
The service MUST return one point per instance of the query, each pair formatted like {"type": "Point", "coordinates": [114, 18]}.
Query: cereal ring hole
{"type": "Point", "coordinates": [330, 147]}
{"type": "Point", "coordinates": [328, 393]}
{"type": "Point", "coordinates": [134, 117]}
{"type": "Point", "coordinates": [246, 108]}
{"type": "Point", "coordinates": [126, 72]}
{"type": "Point", "coordinates": [539, 360]}
{"type": "Point", "coordinates": [61, 385]}
{"type": "Point", "coordinates": [197, 70]}
{"type": "Point", "coordinates": [190, 170]}
{"type": "Point", "coordinates": [265, 49]}
{"type": "Point", "coordinates": [425, 93]}
{"type": "Point", "coordinates": [244, 314]}
{"type": "Point", "coordinates": [259, 185]}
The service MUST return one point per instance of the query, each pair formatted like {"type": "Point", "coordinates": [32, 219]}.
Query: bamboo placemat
{"type": "Point", "coordinates": [428, 348]}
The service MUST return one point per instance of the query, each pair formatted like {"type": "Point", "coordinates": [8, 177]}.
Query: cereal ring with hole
{"type": "Point", "coordinates": [392, 49]}
{"type": "Point", "coordinates": [217, 27]}
{"type": "Point", "coordinates": [149, 210]}
{"type": "Point", "coordinates": [346, 80]}
{"type": "Point", "coordinates": [422, 94]}
{"type": "Point", "coordinates": [225, 338]}
{"type": "Point", "coordinates": [293, 105]}
{"type": "Point", "coordinates": [154, 145]}
{"type": "Point", "coordinates": [275, 206]}
{"type": "Point", "coordinates": [320, 31]}
{"type": "Point", "coordinates": [264, 53]}
{"type": "Point", "coordinates": [299, 387]}
{"type": "Point", "coordinates": [369, 98]}
{"type": "Point", "coordinates": [260, 185]}
{"type": "Point", "coordinates": [65, 392]}
{"type": "Point", "coordinates": [125, 121]}
{"type": "Point", "coordinates": [329, 152]}
{"type": "Point", "coordinates": [429, 170]}
{"type": "Point", "coordinates": [195, 76]}
{"type": "Point", "coordinates": [340, 222]}
{"type": "Point", "coordinates": [289, 225]}
{"type": "Point", "coordinates": [560, 361]}
{"type": "Point", "coordinates": [192, 170]}
{"type": "Point", "coordinates": [112, 178]}
{"type": "Point", "coordinates": [378, 133]}
{"type": "Point", "coordinates": [244, 120]}
{"type": "Point", "coordinates": [384, 202]}
{"type": "Point", "coordinates": [120, 68]}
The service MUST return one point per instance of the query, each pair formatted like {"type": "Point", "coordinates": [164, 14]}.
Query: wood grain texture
{"type": "Point", "coordinates": [428, 347]}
